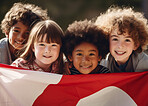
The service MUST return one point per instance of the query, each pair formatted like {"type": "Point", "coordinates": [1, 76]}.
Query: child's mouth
{"type": "Point", "coordinates": [119, 52]}
{"type": "Point", "coordinates": [88, 66]}
{"type": "Point", "coordinates": [20, 43]}
{"type": "Point", "coordinates": [47, 56]}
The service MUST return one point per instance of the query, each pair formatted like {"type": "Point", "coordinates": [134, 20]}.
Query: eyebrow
{"type": "Point", "coordinates": [89, 51]}
{"type": "Point", "coordinates": [20, 28]}
{"type": "Point", "coordinates": [114, 36]}
{"type": "Point", "coordinates": [17, 27]}
{"type": "Point", "coordinates": [119, 35]}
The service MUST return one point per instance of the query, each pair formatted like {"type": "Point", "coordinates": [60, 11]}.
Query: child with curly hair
{"type": "Point", "coordinates": [84, 46]}
{"type": "Point", "coordinates": [128, 37]}
{"type": "Point", "coordinates": [16, 26]}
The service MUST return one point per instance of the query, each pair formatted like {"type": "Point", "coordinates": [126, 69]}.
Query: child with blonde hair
{"type": "Point", "coordinates": [43, 49]}
{"type": "Point", "coordinates": [128, 37]}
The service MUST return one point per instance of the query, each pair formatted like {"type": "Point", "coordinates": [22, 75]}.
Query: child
{"type": "Point", "coordinates": [84, 46]}
{"type": "Point", "coordinates": [16, 26]}
{"type": "Point", "coordinates": [128, 37]}
{"type": "Point", "coordinates": [42, 51]}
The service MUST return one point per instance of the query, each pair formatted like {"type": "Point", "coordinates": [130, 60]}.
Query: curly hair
{"type": "Point", "coordinates": [28, 14]}
{"type": "Point", "coordinates": [125, 19]}
{"type": "Point", "coordinates": [84, 31]}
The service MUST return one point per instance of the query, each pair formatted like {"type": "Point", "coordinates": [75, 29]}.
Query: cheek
{"type": "Point", "coordinates": [37, 51]}
{"type": "Point", "coordinates": [10, 39]}
{"type": "Point", "coordinates": [111, 47]}
{"type": "Point", "coordinates": [95, 61]}
{"type": "Point", "coordinates": [76, 61]}
{"type": "Point", "coordinates": [112, 44]}
{"type": "Point", "coordinates": [56, 51]}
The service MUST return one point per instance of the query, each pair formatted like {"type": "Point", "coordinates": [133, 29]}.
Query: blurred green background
{"type": "Point", "coordinates": [64, 12]}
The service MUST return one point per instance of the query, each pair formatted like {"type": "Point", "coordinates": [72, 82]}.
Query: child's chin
{"type": "Point", "coordinates": [18, 48]}
{"type": "Point", "coordinates": [86, 72]}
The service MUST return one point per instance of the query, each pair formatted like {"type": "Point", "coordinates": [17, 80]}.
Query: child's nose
{"type": "Point", "coordinates": [47, 49]}
{"type": "Point", "coordinates": [120, 44]}
{"type": "Point", "coordinates": [85, 58]}
{"type": "Point", "coordinates": [20, 36]}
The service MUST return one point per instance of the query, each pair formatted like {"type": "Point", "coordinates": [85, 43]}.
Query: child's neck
{"type": "Point", "coordinates": [45, 67]}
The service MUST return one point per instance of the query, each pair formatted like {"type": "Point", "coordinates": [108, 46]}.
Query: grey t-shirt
{"type": "Point", "coordinates": [5, 56]}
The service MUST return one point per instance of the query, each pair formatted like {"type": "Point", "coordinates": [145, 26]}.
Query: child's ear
{"type": "Point", "coordinates": [99, 58]}
{"type": "Point", "coordinates": [136, 46]}
{"type": "Point", "coordinates": [70, 58]}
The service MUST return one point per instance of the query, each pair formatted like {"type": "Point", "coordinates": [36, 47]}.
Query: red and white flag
{"type": "Point", "coordinates": [20, 87]}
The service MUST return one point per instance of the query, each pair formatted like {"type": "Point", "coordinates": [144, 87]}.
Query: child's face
{"type": "Point", "coordinates": [85, 57]}
{"type": "Point", "coordinates": [45, 53]}
{"type": "Point", "coordinates": [121, 46]}
{"type": "Point", "coordinates": [18, 35]}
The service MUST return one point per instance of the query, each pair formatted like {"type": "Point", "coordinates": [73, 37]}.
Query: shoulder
{"type": "Point", "coordinates": [103, 69]}
{"type": "Point", "coordinates": [141, 62]}
{"type": "Point", "coordinates": [105, 62]}
{"type": "Point", "coordinates": [140, 56]}
{"type": "Point", "coordinates": [143, 55]}
{"type": "Point", "coordinates": [3, 42]}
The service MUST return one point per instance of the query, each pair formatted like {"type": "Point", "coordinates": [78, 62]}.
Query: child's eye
{"type": "Point", "coordinates": [91, 54]}
{"type": "Point", "coordinates": [54, 45]}
{"type": "Point", "coordinates": [16, 30]}
{"type": "Point", "coordinates": [79, 54]}
{"type": "Point", "coordinates": [114, 39]}
{"type": "Point", "coordinates": [41, 44]}
{"type": "Point", "coordinates": [128, 40]}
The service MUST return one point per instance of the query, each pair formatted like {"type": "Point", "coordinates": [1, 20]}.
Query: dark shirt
{"type": "Point", "coordinates": [99, 69]}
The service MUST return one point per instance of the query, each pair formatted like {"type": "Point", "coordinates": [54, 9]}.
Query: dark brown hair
{"type": "Point", "coordinates": [84, 31]}
{"type": "Point", "coordinates": [27, 13]}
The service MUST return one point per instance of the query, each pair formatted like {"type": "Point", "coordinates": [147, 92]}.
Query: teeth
{"type": "Point", "coordinates": [20, 42]}
{"type": "Point", "coordinates": [120, 52]}
{"type": "Point", "coordinates": [86, 66]}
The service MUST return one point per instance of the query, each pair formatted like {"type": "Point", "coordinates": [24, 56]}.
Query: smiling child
{"type": "Point", "coordinates": [128, 38]}
{"type": "Point", "coordinates": [84, 46]}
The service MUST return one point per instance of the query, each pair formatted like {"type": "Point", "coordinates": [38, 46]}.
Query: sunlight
{"type": "Point", "coordinates": [10, 75]}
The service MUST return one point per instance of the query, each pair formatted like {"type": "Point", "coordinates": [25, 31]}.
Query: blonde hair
{"type": "Point", "coordinates": [125, 19]}
{"type": "Point", "coordinates": [54, 35]}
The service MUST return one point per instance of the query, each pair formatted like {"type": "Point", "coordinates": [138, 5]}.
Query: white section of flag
{"type": "Point", "coordinates": [22, 87]}
{"type": "Point", "coordinates": [19, 87]}
{"type": "Point", "coordinates": [109, 96]}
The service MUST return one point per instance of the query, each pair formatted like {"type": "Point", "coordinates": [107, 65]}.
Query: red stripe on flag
{"type": "Point", "coordinates": [10, 67]}
{"type": "Point", "coordinates": [72, 88]}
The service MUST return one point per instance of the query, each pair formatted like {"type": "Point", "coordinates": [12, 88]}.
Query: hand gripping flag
{"type": "Point", "coordinates": [19, 87]}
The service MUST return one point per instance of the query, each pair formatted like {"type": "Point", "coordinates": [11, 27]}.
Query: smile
{"type": "Point", "coordinates": [47, 56]}
{"type": "Point", "coordinates": [88, 66]}
{"type": "Point", "coordinates": [119, 53]}
{"type": "Point", "coordinates": [20, 43]}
